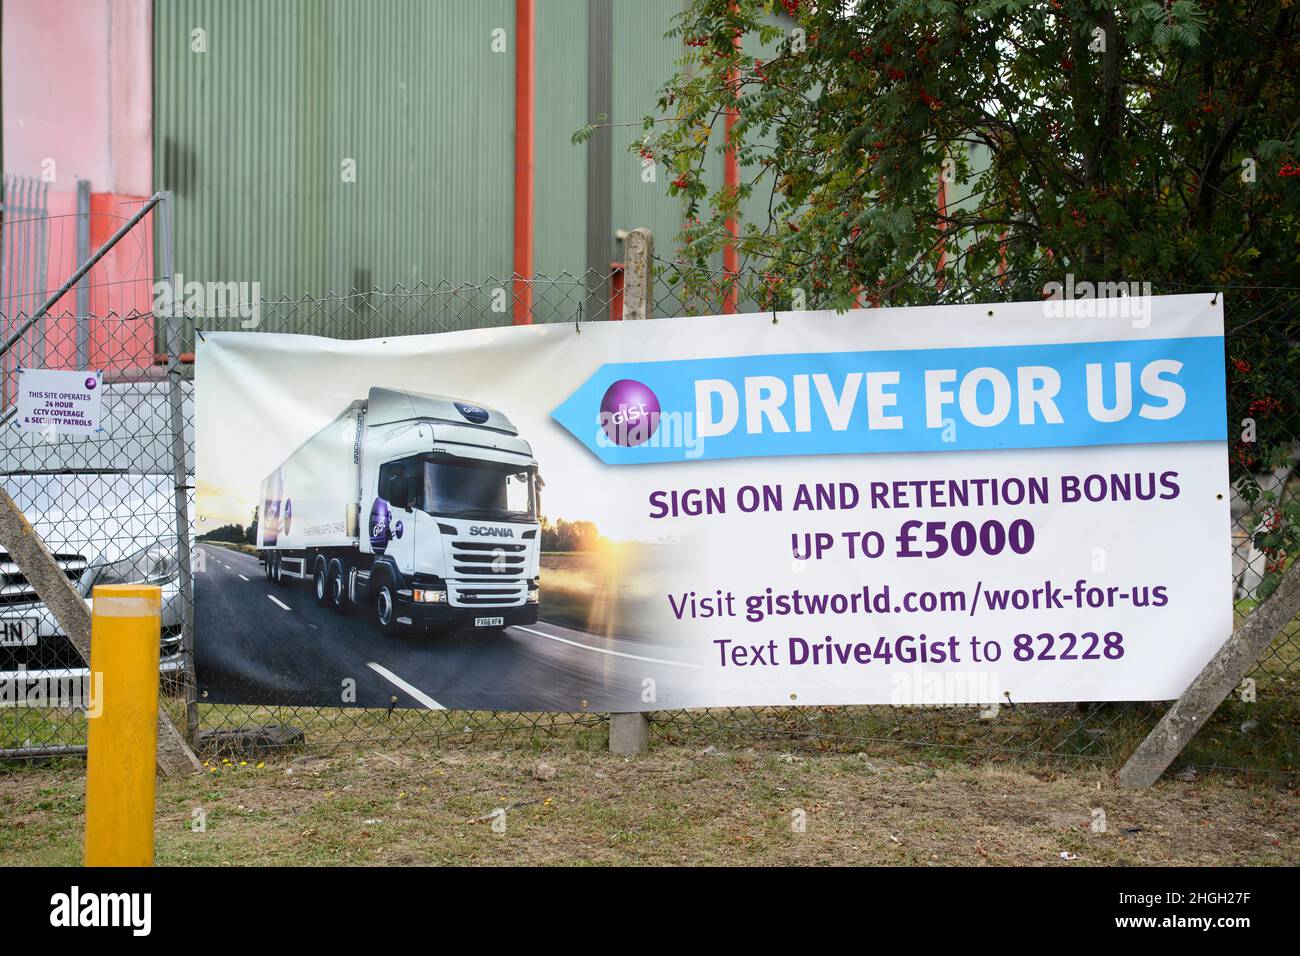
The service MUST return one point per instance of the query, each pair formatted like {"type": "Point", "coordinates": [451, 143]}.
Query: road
{"type": "Point", "coordinates": [261, 643]}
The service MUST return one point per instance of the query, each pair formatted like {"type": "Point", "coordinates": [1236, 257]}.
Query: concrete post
{"type": "Point", "coordinates": [628, 734]}
{"type": "Point", "coordinates": [1216, 681]}
{"type": "Point", "coordinates": [638, 275]}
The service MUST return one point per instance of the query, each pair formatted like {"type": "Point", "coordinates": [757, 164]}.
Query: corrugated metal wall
{"type": "Point", "coordinates": [560, 175]}
{"type": "Point", "coordinates": [643, 62]}
{"type": "Point", "coordinates": [253, 134]}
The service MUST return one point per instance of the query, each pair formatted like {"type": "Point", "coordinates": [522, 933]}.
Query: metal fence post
{"type": "Point", "coordinates": [180, 474]}
{"type": "Point", "coordinates": [122, 739]}
{"type": "Point", "coordinates": [630, 733]}
{"type": "Point", "coordinates": [638, 274]}
{"type": "Point", "coordinates": [83, 287]}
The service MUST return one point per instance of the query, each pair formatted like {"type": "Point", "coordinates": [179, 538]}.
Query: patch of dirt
{"type": "Point", "coordinates": [674, 805]}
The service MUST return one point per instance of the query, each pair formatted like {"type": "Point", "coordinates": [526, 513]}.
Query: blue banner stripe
{"type": "Point", "coordinates": [1198, 376]}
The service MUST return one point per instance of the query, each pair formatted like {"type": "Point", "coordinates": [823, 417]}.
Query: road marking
{"type": "Point", "coordinates": [601, 650]}
{"type": "Point", "coordinates": [279, 602]}
{"type": "Point", "coordinates": [415, 692]}
{"type": "Point", "coordinates": [242, 578]}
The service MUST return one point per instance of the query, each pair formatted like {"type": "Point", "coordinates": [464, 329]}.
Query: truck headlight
{"type": "Point", "coordinates": [429, 597]}
{"type": "Point", "coordinates": [534, 595]}
{"type": "Point", "coordinates": [154, 564]}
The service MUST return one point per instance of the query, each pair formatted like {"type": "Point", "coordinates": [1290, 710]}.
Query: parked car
{"type": "Point", "coordinates": [104, 505]}
{"type": "Point", "coordinates": [102, 529]}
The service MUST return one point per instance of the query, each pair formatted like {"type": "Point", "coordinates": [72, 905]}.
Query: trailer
{"type": "Point", "coordinates": [421, 509]}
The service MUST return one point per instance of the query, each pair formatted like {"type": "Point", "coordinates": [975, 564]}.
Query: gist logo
{"type": "Point", "coordinates": [629, 412]}
{"type": "Point", "coordinates": [379, 530]}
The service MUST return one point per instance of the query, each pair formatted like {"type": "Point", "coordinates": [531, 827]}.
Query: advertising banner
{"type": "Point", "coordinates": [970, 504]}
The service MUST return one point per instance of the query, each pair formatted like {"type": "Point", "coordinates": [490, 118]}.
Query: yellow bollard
{"type": "Point", "coordinates": [122, 741]}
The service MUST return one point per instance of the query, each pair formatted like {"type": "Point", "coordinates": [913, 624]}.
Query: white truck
{"type": "Point", "coordinates": [421, 508]}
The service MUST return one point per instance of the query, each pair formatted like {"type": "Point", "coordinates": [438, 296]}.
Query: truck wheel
{"type": "Point", "coordinates": [320, 583]}
{"type": "Point", "coordinates": [267, 558]}
{"type": "Point", "coordinates": [335, 586]}
{"type": "Point", "coordinates": [383, 606]}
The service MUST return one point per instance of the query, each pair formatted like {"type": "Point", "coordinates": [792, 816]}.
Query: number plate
{"type": "Point", "coordinates": [489, 622]}
{"type": "Point", "coordinates": [19, 632]}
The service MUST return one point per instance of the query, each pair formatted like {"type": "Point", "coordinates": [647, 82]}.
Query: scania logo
{"type": "Point", "coordinates": [482, 530]}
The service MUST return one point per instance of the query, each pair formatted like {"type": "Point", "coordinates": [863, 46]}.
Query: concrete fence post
{"type": "Point", "coordinates": [638, 275]}
{"type": "Point", "coordinates": [630, 733]}
{"type": "Point", "coordinates": [1215, 682]}
{"type": "Point", "coordinates": [26, 549]}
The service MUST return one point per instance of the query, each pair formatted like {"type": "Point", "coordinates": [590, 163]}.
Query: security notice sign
{"type": "Point", "coordinates": [56, 400]}
{"type": "Point", "coordinates": [948, 505]}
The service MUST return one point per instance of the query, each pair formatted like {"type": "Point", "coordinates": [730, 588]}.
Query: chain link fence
{"type": "Point", "coordinates": [1258, 728]}
{"type": "Point", "coordinates": [108, 507]}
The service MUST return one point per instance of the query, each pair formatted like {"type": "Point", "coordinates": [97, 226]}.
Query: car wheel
{"type": "Point", "coordinates": [320, 583]}
{"type": "Point", "coordinates": [383, 607]}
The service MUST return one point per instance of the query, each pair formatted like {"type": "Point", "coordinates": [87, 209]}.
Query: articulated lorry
{"type": "Point", "coordinates": [421, 508]}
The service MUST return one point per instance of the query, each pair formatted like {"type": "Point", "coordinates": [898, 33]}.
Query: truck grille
{"type": "Point", "coordinates": [486, 559]}
{"type": "Point", "coordinates": [15, 590]}
{"type": "Point", "coordinates": [488, 574]}
{"type": "Point", "coordinates": [488, 597]}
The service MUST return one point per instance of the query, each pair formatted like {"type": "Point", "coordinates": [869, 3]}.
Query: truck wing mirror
{"type": "Point", "coordinates": [397, 491]}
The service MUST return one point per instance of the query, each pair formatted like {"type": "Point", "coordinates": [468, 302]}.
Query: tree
{"type": "Point", "coordinates": [252, 527]}
{"type": "Point", "coordinates": [1140, 141]}
{"type": "Point", "coordinates": [234, 533]}
{"type": "Point", "coordinates": [569, 536]}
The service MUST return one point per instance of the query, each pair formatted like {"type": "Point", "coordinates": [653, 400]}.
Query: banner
{"type": "Point", "coordinates": [950, 505]}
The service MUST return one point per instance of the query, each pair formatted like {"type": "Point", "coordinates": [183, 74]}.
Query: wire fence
{"type": "Point", "coordinates": [108, 507]}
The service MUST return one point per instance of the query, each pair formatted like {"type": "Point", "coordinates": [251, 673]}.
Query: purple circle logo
{"type": "Point", "coordinates": [397, 530]}
{"type": "Point", "coordinates": [629, 412]}
{"type": "Point", "coordinates": [91, 383]}
{"type": "Point", "coordinates": [379, 516]}
{"type": "Point", "coordinates": [288, 513]}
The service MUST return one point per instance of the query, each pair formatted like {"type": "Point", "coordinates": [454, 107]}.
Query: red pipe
{"type": "Point", "coordinates": [942, 198]}
{"type": "Point", "coordinates": [731, 182]}
{"type": "Point", "coordinates": [524, 128]}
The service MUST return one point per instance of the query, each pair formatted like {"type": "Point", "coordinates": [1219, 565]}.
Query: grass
{"type": "Point", "coordinates": [569, 801]}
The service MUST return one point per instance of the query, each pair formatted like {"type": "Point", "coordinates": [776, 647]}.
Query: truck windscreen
{"type": "Point", "coordinates": [476, 489]}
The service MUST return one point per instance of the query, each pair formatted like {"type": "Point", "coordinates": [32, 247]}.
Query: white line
{"type": "Point", "coordinates": [279, 602]}
{"type": "Point", "coordinates": [601, 650]}
{"type": "Point", "coordinates": [415, 692]}
{"type": "Point", "coordinates": [242, 578]}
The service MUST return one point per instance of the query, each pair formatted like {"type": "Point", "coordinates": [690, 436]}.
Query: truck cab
{"type": "Point", "coordinates": [442, 527]}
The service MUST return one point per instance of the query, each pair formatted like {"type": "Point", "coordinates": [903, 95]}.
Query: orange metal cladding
{"type": "Point", "coordinates": [525, 14]}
